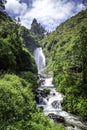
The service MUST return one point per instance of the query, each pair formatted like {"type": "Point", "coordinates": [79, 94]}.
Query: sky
{"type": "Point", "coordinates": [50, 13]}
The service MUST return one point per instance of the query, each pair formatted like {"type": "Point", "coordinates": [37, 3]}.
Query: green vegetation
{"type": "Point", "coordinates": [15, 101]}
{"type": "Point", "coordinates": [14, 56]}
{"type": "Point", "coordinates": [17, 106]}
{"type": "Point", "coordinates": [18, 79]}
{"type": "Point", "coordinates": [66, 52]}
{"type": "Point", "coordinates": [29, 38]}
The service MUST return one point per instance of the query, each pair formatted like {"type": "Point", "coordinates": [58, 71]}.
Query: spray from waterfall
{"type": "Point", "coordinates": [40, 59]}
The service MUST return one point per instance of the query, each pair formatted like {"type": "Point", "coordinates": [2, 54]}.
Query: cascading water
{"type": "Point", "coordinates": [39, 58]}
{"type": "Point", "coordinates": [51, 102]}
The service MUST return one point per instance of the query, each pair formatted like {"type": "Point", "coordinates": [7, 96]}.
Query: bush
{"type": "Point", "coordinates": [16, 100]}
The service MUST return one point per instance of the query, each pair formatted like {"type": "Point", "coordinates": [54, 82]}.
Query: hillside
{"type": "Point", "coordinates": [14, 56]}
{"type": "Point", "coordinates": [18, 79]}
{"type": "Point", "coordinates": [17, 68]}
{"type": "Point", "coordinates": [66, 52]}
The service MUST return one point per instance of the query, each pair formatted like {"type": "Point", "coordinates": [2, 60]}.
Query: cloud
{"type": "Point", "coordinates": [50, 13]}
{"type": "Point", "coordinates": [14, 7]}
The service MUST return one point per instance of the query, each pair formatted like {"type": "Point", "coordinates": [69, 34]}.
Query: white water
{"type": "Point", "coordinates": [39, 58]}
{"type": "Point", "coordinates": [52, 103]}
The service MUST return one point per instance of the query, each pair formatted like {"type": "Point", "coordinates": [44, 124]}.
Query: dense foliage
{"type": "Point", "coordinates": [14, 56]}
{"type": "Point", "coordinates": [17, 106]}
{"type": "Point", "coordinates": [15, 101]}
{"type": "Point", "coordinates": [18, 80]}
{"type": "Point", "coordinates": [66, 52]}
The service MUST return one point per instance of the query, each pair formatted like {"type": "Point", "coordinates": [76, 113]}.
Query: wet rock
{"type": "Point", "coordinates": [40, 99]}
{"type": "Point", "coordinates": [44, 92]}
{"type": "Point", "coordinates": [56, 118]}
{"type": "Point", "coordinates": [41, 81]}
{"type": "Point", "coordinates": [54, 94]}
{"type": "Point", "coordinates": [55, 104]}
{"type": "Point", "coordinates": [38, 91]}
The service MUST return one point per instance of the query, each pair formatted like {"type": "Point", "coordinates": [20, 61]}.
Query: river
{"type": "Point", "coordinates": [49, 99]}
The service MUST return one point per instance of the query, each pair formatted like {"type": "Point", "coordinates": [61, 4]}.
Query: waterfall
{"type": "Point", "coordinates": [51, 100]}
{"type": "Point", "coordinates": [40, 59]}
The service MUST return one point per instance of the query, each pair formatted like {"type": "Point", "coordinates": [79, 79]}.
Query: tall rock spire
{"type": "Point", "coordinates": [38, 29]}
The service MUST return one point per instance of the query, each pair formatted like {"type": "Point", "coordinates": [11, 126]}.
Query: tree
{"type": "Point", "coordinates": [83, 45]}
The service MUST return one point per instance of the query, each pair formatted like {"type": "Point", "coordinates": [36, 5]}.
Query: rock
{"type": "Point", "coordinates": [40, 99]}
{"type": "Point", "coordinates": [60, 119]}
{"type": "Point", "coordinates": [54, 94]}
{"type": "Point", "coordinates": [55, 104]}
{"type": "Point", "coordinates": [56, 118]}
{"type": "Point", "coordinates": [41, 81]}
{"type": "Point", "coordinates": [39, 91]}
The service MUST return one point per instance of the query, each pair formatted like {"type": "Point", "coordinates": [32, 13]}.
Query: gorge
{"type": "Point", "coordinates": [51, 95]}
{"type": "Point", "coordinates": [51, 101]}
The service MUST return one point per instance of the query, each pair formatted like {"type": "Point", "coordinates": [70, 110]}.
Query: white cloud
{"type": "Point", "coordinates": [15, 8]}
{"type": "Point", "coordinates": [50, 13]}
{"type": "Point", "coordinates": [80, 7]}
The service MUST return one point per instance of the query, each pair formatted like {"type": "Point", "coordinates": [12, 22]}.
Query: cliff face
{"type": "Point", "coordinates": [66, 52]}
{"type": "Point", "coordinates": [31, 37]}
{"type": "Point", "coordinates": [38, 29]}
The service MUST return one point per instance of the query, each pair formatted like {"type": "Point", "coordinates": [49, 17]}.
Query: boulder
{"type": "Point", "coordinates": [56, 118]}
{"type": "Point", "coordinates": [55, 104]}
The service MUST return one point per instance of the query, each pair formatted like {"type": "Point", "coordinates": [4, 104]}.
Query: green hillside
{"type": "Point", "coordinates": [66, 52]}
{"type": "Point", "coordinates": [14, 56]}
{"type": "Point", "coordinates": [18, 79]}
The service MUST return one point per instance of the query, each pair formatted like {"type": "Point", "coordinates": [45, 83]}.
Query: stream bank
{"type": "Point", "coordinates": [49, 99]}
